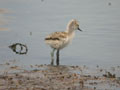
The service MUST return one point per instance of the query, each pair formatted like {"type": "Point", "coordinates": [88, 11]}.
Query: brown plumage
{"type": "Point", "coordinates": [56, 36]}
{"type": "Point", "coordinates": [59, 40]}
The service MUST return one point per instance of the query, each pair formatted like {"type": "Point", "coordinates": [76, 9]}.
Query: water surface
{"type": "Point", "coordinates": [98, 44]}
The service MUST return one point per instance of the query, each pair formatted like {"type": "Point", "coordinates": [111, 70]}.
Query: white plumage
{"type": "Point", "coordinates": [59, 40]}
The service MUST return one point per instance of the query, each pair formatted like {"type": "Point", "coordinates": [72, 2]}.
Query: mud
{"type": "Point", "coordinates": [47, 77]}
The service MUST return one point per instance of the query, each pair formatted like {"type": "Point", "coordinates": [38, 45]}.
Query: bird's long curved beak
{"type": "Point", "coordinates": [79, 29]}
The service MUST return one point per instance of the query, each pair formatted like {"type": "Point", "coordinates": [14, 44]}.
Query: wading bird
{"type": "Point", "coordinates": [59, 40]}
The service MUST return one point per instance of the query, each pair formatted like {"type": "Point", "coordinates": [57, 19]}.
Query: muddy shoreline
{"type": "Point", "coordinates": [47, 77]}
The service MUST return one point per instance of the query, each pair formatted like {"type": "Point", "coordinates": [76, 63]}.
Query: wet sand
{"type": "Point", "coordinates": [47, 77]}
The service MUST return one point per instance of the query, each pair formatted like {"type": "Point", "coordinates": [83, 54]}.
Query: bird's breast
{"type": "Point", "coordinates": [68, 40]}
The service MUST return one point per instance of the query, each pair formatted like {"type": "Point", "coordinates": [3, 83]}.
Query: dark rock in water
{"type": "Point", "coordinates": [109, 4]}
{"type": "Point", "coordinates": [30, 33]}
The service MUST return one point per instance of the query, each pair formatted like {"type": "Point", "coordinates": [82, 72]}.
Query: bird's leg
{"type": "Point", "coordinates": [57, 57]}
{"type": "Point", "coordinates": [52, 57]}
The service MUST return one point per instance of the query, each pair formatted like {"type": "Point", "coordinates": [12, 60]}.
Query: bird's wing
{"type": "Point", "coordinates": [57, 36]}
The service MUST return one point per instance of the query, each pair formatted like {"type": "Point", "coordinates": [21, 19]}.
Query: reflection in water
{"type": "Point", "coordinates": [4, 20]}
{"type": "Point", "coordinates": [19, 48]}
{"type": "Point", "coordinates": [4, 10]}
{"type": "Point", "coordinates": [58, 69]}
{"type": "Point", "coordinates": [4, 29]}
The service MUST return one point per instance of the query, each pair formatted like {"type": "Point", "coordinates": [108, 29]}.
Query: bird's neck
{"type": "Point", "coordinates": [71, 33]}
{"type": "Point", "coordinates": [70, 30]}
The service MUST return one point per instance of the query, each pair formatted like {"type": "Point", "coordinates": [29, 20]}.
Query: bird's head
{"type": "Point", "coordinates": [73, 25]}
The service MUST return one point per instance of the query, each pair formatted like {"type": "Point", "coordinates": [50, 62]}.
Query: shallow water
{"type": "Point", "coordinates": [29, 21]}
